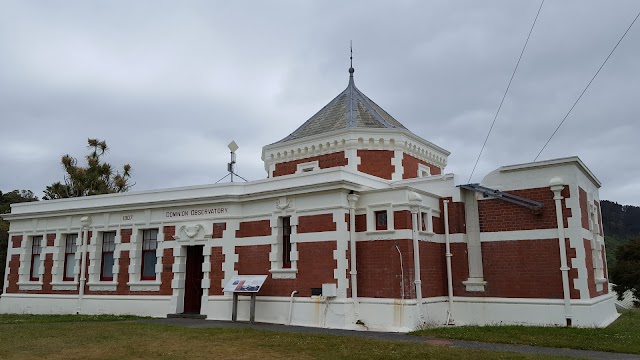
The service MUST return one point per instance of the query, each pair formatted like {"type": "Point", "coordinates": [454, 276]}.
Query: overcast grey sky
{"type": "Point", "coordinates": [169, 84]}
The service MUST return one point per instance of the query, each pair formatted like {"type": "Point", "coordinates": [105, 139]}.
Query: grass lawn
{"type": "Point", "coordinates": [621, 336]}
{"type": "Point", "coordinates": [104, 337]}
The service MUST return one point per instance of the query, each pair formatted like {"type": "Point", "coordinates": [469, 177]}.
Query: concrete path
{"type": "Point", "coordinates": [582, 354]}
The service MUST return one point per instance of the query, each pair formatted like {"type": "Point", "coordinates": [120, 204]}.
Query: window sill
{"type": "Point", "coordinates": [380, 232]}
{"type": "Point", "coordinates": [144, 285]}
{"type": "Point", "coordinates": [30, 286]}
{"type": "Point", "coordinates": [426, 233]}
{"type": "Point", "coordinates": [102, 286]}
{"type": "Point", "coordinates": [283, 273]}
{"type": "Point", "coordinates": [65, 285]}
{"type": "Point", "coordinates": [601, 281]}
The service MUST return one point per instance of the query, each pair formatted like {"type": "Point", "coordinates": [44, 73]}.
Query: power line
{"type": "Point", "coordinates": [585, 89]}
{"type": "Point", "coordinates": [506, 91]}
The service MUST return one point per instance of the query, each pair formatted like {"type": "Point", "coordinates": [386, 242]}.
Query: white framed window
{"type": "Point", "coordinates": [425, 221]}
{"type": "Point", "coordinates": [423, 170]}
{"type": "Point", "coordinates": [284, 254]}
{"type": "Point", "coordinates": [36, 251]}
{"type": "Point", "coordinates": [307, 167]}
{"type": "Point", "coordinates": [70, 250]}
{"type": "Point", "coordinates": [149, 254]}
{"type": "Point", "coordinates": [380, 218]}
{"type": "Point", "coordinates": [108, 247]}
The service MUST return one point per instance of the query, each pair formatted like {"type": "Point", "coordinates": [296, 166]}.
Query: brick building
{"type": "Point", "coordinates": [353, 199]}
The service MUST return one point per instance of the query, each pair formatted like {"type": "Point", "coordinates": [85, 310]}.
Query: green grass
{"type": "Point", "coordinates": [621, 336]}
{"type": "Point", "coordinates": [59, 337]}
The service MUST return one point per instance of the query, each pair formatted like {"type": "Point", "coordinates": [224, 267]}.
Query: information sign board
{"type": "Point", "coordinates": [245, 283]}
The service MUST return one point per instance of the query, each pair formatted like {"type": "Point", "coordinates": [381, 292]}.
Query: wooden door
{"type": "Point", "coordinates": [193, 280]}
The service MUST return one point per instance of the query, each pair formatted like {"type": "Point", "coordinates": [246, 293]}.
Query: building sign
{"type": "Point", "coordinates": [245, 284]}
{"type": "Point", "coordinates": [196, 212]}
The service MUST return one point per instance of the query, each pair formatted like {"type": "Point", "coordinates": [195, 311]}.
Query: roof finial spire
{"type": "Point", "coordinates": [351, 70]}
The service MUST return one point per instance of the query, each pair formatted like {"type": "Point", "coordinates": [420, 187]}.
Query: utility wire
{"type": "Point", "coordinates": [506, 91]}
{"type": "Point", "coordinates": [585, 89]}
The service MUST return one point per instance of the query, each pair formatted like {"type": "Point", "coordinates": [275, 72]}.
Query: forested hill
{"type": "Point", "coordinates": [621, 224]}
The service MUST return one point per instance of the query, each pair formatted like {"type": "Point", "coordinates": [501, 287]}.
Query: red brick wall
{"type": "Point", "coordinates": [433, 269]}
{"type": "Point", "coordinates": [125, 235]}
{"type": "Point", "coordinates": [514, 269]}
{"type": "Point", "coordinates": [457, 220]}
{"type": "Point", "coordinates": [376, 163]}
{"type": "Point", "coordinates": [584, 209]}
{"type": "Point", "coordinates": [459, 268]}
{"type": "Point", "coordinates": [46, 277]}
{"type": "Point", "coordinates": [410, 165]}
{"type": "Point", "coordinates": [51, 238]}
{"type": "Point", "coordinates": [361, 222]}
{"type": "Point", "coordinates": [324, 161]}
{"type": "Point", "coordinates": [16, 241]}
{"type": "Point", "coordinates": [12, 281]}
{"type": "Point", "coordinates": [254, 228]}
{"type": "Point", "coordinates": [169, 232]}
{"type": "Point", "coordinates": [499, 215]}
{"type": "Point", "coordinates": [315, 267]}
{"type": "Point", "coordinates": [218, 230]}
{"type": "Point", "coordinates": [316, 223]}
{"type": "Point", "coordinates": [379, 273]}
{"type": "Point", "coordinates": [591, 280]}
{"type": "Point", "coordinates": [402, 219]}
{"type": "Point", "coordinates": [216, 275]}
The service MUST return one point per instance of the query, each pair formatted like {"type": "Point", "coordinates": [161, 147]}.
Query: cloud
{"type": "Point", "coordinates": [169, 85]}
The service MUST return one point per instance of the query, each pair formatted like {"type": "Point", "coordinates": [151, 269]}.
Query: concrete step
{"type": "Point", "coordinates": [186, 316]}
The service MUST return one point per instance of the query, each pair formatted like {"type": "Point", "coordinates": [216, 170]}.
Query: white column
{"type": "Point", "coordinates": [475, 282]}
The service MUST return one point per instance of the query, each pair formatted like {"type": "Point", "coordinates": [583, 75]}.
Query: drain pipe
{"type": "Point", "coordinates": [448, 256]}
{"type": "Point", "coordinates": [293, 293]}
{"type": "Point", "coordinates": [85, 221]}
{"type": "Point", "coordinates": [415, 200]}
{"type": "Point", "coordinates": [352, 198]}
{"type": "Point", "coordinates": [557, 185]}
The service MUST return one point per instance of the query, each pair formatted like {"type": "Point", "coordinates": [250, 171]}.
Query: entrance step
{"type": "Point", "coordinates": [186, 316]}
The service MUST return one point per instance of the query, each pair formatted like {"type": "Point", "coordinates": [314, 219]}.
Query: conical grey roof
{"type": "Point", "coordinates": [350, 109]}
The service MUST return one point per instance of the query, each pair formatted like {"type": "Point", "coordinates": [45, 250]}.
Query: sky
{"type": "Point", "coordinates": [169, 84]}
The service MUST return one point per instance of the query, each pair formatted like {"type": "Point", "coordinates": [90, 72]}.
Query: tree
{"type": "Point", "coordinates": [96, 178]}
{"type": "Point", "coordinates": [625, 274]}
{"type": "Point", "coordinates": [15, 196]}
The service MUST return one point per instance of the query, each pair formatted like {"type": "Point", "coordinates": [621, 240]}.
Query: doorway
{"type": "Point", "coordinates": [193, 280]}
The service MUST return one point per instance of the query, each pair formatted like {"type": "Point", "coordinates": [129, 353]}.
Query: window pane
{"type": "Point", "coordinates": [35, 245]}
{"type": "Point", "coordinates": [70, 262]}
{"type": "Point", "coordinates": [149, 264]}
{"type": "Point", "coordinates": [108, 241]}
{"type": "Point", "coordinates": [35, 264]}
{"type": "Point", "coordinates": [71, 243]}
{"type": "Point", "coordinates": [149, 239]}
{"type": "Point", "coordinates": [150, 234]}
{"type": "Point", "coordinates": [107, 265]}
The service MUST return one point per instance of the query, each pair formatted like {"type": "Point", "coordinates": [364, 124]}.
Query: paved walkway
{"type": "Point", "coordinates": [583, 354]}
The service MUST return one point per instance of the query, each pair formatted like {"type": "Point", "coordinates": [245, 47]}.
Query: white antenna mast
{"type": "Point", "coordinates": [230, 166]}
